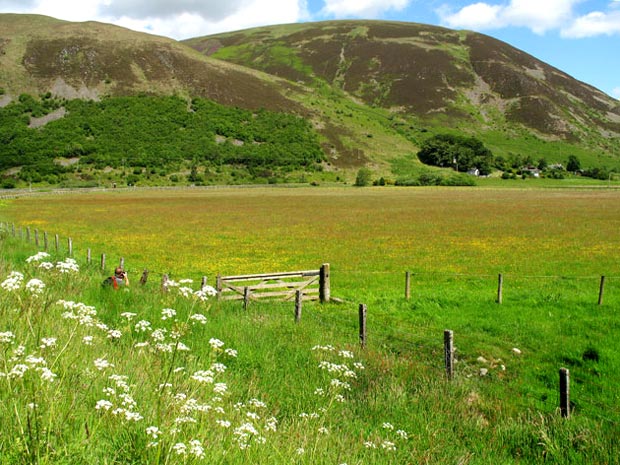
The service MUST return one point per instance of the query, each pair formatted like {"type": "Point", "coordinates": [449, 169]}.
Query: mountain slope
{"type": "Point", "coordinates": [436, 75]}
{"type": "Point", "coordinates": [39, 54]}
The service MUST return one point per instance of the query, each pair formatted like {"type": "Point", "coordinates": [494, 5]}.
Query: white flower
{"type": "Point", "coordinates": [159, 334]}
{"type": "Point", "coordinates": [153, 431]}
{"type": "Point", "coordinates": [7, 337]}
{"type": "Point", "coordinates": [223, 423]}
{"type": "Point", "coordinates": [220, 388]}
{"type": "Point", "coordinates": [402, 434]}
{"type": "Point", "coordinates": [300, 451]}
{"type": "Point", "coordinates": [230, 352]}
{"type": "Point", "coordinates": [271, 424]}
{"type": "Point", "coordinates": [323, 430]}
{"type": "Point", "coordinates": [186, 281]}
{"type": "Point", "coordinates": [35, 286]}
{"type": "Point", "coordinates": [46, 374]}
{"type": "Point", "coordinates": [87, 340]}
{"type": "Point", "coordinates": [180, 448]}
{"type": "Point", "coordinates": [68, 266]}
{"type": "Point", "coordinates": [37, 257]}
{"type": "Point", "coordinates": [218, 367]}
{"type": "Point", "coordinates": [47, 342]}
{"type": "Point", "coordinates": [196, 449]}
{"type": "Point", "coordinates": [387, 425]}
{"type": "Point", "coordinates": [114, 334]}
{"type": "Point", "coordinates": [370, 445]}
{"type": "Point", "coordinates": [102, 364]}
{"type": "Point", "coordinates": [13, 282]}
{"type": "Point", "coordinates": [388, 445]}
{"type": "Point", "coordinates": [103, 405]}
{"type": "Point", "coordinates": [18, 371]}
{"type": "Point", "coordinates": [128, 315]}
{"type": "Point", "coordinates": [203, 376]}
{"type": "Point", "coordinates": [167, 313]}
{"type": "Point", "coordinates": [186, 291]}
{"type": "Point", "coordinates": [198, 318]}
{"type": "Point", "coordinates": [46, 265]}
{"type": "Point", "coordinates": [143, 325]}
{"type": "Point", "coordinates": [346, 354]}
{"type": "Point", "coordinates": [216, 343]}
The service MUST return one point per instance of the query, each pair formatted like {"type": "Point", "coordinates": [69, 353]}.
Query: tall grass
{"type": "Point", "coordinates": [92, 382]}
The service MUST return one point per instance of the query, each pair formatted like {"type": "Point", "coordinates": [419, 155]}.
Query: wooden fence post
{"type": "Point", "coordinates": [448, 345]}
{"type": "Point", "coordinates": [362, 317]}
{"type": "Point", "coordinates": [13, 229]}
{"type": "Point", "coordinates": [601, 291]}
{"type": "Point", "coordinates": [28, 233]}
{"type": "Point", "coordinates": [407, 285]}
{"type": "Point", "coordinates": [324, 291]}
{"type": "Point", "coordinates": [36, 238]}
{"type": "Point", "coordinates": [102, 262]}
{"type": "Point", "coordinates": [246, 297]}
{"type": "Point", "coordinates": [57, 240]}
{"type": "Point", "coordinates": [564, 392]}
{"type": "Point", "coordinates": [164, 283]}
{"type": "Point", "coordinates": [218, 285]}
{"type": "Point", "coordinates": [298, 299]}
{"type": "Point", "coordinates": [203, 283]}
{"type": "Point", "coordinates": [88, 256]}
{"type": "Point", "coordinates": [121, 263]}
{"type": "Point", "coordinates": [145, 276]}
{"type": "Point", "coordinates": [500, 285]}
{"type": "Point", "coordinates": [45, 243]}
{"type": "Point", "coordinates": [70, 245]}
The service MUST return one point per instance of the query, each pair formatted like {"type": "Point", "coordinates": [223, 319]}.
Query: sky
{"type": "Point", "coordinates": [579, 37]}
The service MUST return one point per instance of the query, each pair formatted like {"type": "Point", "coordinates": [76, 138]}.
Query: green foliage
{"type": "Point", "coordinates": [363, 178]}
{"type": "Point", "coordinates": [573, 163]}
{"type": "Point", "coordinates": [158, 132]}
{"type": "Point", "coordinates": [461, 152]}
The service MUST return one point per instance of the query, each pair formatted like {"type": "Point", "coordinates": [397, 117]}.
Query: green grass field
{"type": "Point", "coordinates": [391, 402]}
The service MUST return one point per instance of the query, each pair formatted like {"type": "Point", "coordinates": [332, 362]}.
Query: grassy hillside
{"type": "Point", "coordinates": [372, 91]}
{"type": "Point", "coordinates": [143, 398]}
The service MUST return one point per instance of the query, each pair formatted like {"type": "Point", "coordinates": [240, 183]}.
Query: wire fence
{"type": "Point", "coordinates": [346, 324]}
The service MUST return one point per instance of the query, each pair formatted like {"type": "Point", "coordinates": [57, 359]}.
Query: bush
{"type": "Point", "coordinates": [363, 178]}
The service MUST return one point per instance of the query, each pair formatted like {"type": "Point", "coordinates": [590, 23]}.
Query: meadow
{"type": "Point", "coordinates": [138, 377]}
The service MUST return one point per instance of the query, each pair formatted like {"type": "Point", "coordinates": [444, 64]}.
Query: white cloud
{"type": "Point", "coordinates": [537, 15]}
{"type": "Point", "coordinates": [362, 8]}
{"type": "Point", "coordinates": [474, 16]}
{"type": "Point", "coordinates": [594, 24]}
{"type": "Point", "coordinates": [172, 18]}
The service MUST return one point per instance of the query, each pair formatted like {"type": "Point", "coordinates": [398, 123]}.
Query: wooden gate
{"type": "Point", "coordinates": [313, 284]}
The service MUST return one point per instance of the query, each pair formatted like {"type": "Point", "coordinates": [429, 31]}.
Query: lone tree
{"type": "Point", "coordinates": [363, 177]}
{"type": "Point", "coordinates": [573, 163]}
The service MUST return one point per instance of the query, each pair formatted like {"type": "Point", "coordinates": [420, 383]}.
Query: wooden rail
{"type": "Point", "coordinates": [312, 284]}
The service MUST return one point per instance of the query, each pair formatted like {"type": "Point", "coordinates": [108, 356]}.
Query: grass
{"type": "Point", "coordinates": [551, 245]}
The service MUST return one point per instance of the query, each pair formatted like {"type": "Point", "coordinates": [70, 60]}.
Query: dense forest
{"type": "Point", "coordinates": [148, 134]}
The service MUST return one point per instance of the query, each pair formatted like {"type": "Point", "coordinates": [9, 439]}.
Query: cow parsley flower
{"type": "Point", "coordinates": [37, 257]}
{"type": "Point", "coordinates": [47, 342]}
{"type": "Point", "coordinates": [216, 343]}
{"type": "Point", "coordinates": [13, 282]}
{"type": "Point", "coordinates": [7, 337]}
{"type": "Point", "coordinates": [102, 364]}
{"type": "Point", "coordinates": [168, 313]}
{"type": "Point", "coordinates": [68, 266]}
{"type": "Point", "coordinates": [198, 318]}
{"type": "Point", "coordinates": [35, 286]}
{"type": "Point", "coordinates": [103, 404]}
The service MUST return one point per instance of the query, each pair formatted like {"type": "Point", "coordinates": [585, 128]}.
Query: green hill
{"type": "Point", "coordinates": [372, 92]}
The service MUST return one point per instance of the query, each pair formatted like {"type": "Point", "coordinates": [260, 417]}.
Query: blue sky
{"type": "Point", "coordinates": [580, 37]}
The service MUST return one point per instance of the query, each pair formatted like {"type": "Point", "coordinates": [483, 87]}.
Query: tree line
{"type": "Point", "coordinates": [150, 131]}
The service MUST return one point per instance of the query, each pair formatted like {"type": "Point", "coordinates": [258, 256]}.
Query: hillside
{"type": "Point", "coordinates": [426, 71]}
{"type": "Point", "coordinates": [372, 92]}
